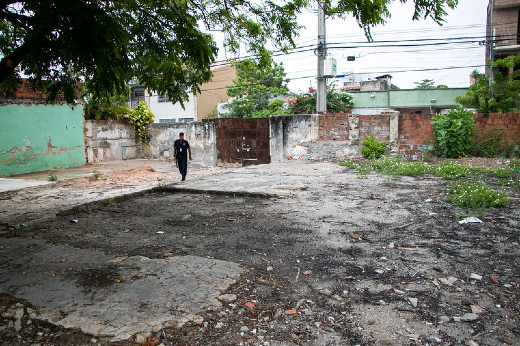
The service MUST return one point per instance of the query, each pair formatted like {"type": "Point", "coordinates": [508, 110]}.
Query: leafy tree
{"type": "Point", "coordinates": [255, 90]}
{"type": "Point", "coordinates": [478, 95]}
{"type": "Point", "coordinates": [425, 84]}
{"type": "Point", "coordinates": [338, 101]}
{"type": "Point", "coordinates": [58, 43]}
{"type": "Point", "coordinates": [107, 106]}
{"type": "Point", "coordinates": [502, 96]}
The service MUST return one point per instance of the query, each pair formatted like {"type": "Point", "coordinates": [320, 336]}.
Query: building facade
{"type": "Point", "coordinates": [197, 107]}
{"type": "Point", "coordinates": [503, 30]}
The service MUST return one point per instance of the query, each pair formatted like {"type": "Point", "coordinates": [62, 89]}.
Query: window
{"type": "Point", "coordinates": [185, 120]}
{"type": "Point", "coordinates": [163, 121]}
{"type": "Point", "coordinates": [163, 98]}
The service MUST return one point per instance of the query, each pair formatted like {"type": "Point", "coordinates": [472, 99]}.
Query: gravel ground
{"type": "Point", "coordinates": [339, 261]}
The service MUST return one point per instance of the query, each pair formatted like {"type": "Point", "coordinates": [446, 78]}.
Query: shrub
{"type": "Point", "coordinates": [371, 148]}
{"type": "Point", "coordinates": [492, 143]}
{"type": "Point", "coordinates": [453, 132]}
{"type": "Point", "coordinates": [139, 117]}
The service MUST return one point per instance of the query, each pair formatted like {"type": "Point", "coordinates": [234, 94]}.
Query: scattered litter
{"type": "Point", "coordinates": [450, 280]}
{"type": "Point", "coordinates": [398, 291]}
{"type": "Point", "coordinates": [391, 245]}
{"type": "Point", "coordinates": [291, 312]}
{"type": "Point", "coordinates": [442, 202]}
{"type": "Point", "coordinates": [477, 309]}
{"type": "Point", "coordinates": [160, 232]}
{"type": "Point", "coordinates": [413, 336]}
{"type": "Point", "coordinates": [467, 317]}
{"type": "Point", "coordinates": [249, 305]}
{"type": "Point", "coordinates": [74, 221]}
{"type": "Point", "coordinates": [475, 276]}
{"type": "Point", "coordinates": [379, 271]}
{"type": "Point", "coordinates": [428, 200]}
{"type": "Point", "coordinates": [470, 219]}
{"type": "Point", "coordinates": [407, 248]}
{"type": "Point", "coordinates": [413, 301]}
{"type": "Point", "coordinates": [494, 279]}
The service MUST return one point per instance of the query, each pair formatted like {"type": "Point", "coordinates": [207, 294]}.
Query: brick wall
{"type": "Point", "coordinates": [333, 127]}
{"type": "Point", "coordinates": [377, 125]}
{"type": "Point", "coordinates": [25, 92]}
{"type": "Point", "coordinates": [505, 21]}
{"type": "Point", "coordinates": [415, 130]}
{"type": "Point", "coordinates": [507, 122]}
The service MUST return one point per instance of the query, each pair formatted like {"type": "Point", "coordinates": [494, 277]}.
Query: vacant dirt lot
{"type": "Point", "coordinates": [329, 259]}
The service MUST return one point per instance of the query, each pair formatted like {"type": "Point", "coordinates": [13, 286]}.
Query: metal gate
{"type": "Point", "coordinates": [243, 142]}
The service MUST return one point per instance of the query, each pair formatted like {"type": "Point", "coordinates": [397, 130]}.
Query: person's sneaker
{"type": "Point", "coordinates": [183, 178]}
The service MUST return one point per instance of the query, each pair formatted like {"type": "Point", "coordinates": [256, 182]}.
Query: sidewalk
{"type": "Point", "coordinates": [41, 178]}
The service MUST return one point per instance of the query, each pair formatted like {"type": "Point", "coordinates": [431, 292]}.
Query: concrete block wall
{"type": "Point", "coordinates": [292, 134]}
{"type": "Point", "coordinates": [110, 140]}
{"type": "Point", "coordinates": [201, 135]}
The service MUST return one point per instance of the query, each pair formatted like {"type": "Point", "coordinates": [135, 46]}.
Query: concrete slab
{"type": "Point", "coordinates": [8, 184]}
{"type": "Point", "coordinates": [105, 296]}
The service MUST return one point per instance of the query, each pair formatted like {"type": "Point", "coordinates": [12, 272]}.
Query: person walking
{"type": "Point", "coordinates": [181, 152]}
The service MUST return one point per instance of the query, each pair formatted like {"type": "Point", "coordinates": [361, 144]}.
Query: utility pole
{"type": "Point", "coordinates": [321, 52]}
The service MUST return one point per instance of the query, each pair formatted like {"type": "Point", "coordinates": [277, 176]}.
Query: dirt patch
{"type": "Point", "coordinates": [343, 261]}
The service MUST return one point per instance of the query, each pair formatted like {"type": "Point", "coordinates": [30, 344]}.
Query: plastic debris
{"type": "Point", "coordinates": [470, 219]}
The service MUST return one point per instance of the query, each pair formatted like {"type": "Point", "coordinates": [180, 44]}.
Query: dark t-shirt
{"type": "Point", "coordinates": [182, 148]}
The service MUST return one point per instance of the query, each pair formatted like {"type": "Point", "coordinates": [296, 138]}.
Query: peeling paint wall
{"type": "Point", "coordinates": [38, 137]}
{"type": "Point", "coordinates": [109, 140]}
{"type": "Point", "coordinates": [200, 134]}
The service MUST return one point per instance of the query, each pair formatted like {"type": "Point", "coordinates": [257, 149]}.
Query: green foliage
{"type": "Point", "coordinates": [493, 143]}
{"type": "Point", "coordinates": [95, 175]}
{"type": "Point", "coordinates": [105, 106]}
{"type": "Point", "coordinates": [450, 170]}
{"type": "Point", "coordinates": [502, 95]}
{"type": "Point", "coordinates": [159, 42]}
{"type": "Point", "coordinates": [475, 195]}
{"type": "Point", "coordinates": [425, 84]}
{"type": "Point", "coordinates": [453, 132]}
{"type": "Point", "coordinates": [51, 176]}
{"type": "Point", "coordinates": [371, 148]}
{"type": "Point", "coordinates": [139, 117]}
{"type": "Point", "coordinates": [397, 166]}
{"type": "Point", "coordinates": [338, 101]}
{"type": "Point", "coordinates": [255, 90]}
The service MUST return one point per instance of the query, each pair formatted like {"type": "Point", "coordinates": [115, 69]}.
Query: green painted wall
{"type": "Point", "coordinates": [40, 137]}
{"type": "Point", "coordinates": [407, 98]}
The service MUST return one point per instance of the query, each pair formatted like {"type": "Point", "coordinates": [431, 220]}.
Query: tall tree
{"type": "Point", "coordinates": [158, 42]}
{"type": "Point", "coordinates": [255, 90]}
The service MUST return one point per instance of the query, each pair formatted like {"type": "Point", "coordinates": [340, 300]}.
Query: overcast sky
{"type": "Point", "coordinates": [446, 54]}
